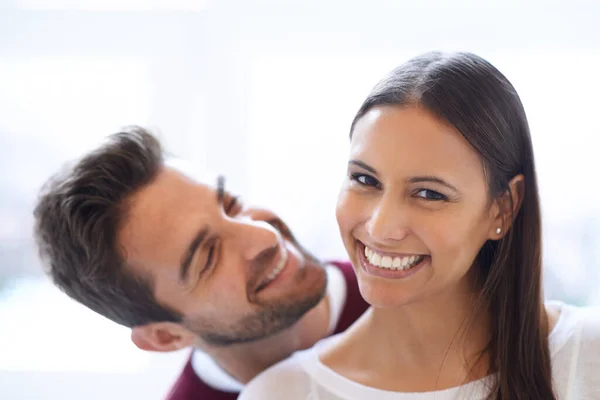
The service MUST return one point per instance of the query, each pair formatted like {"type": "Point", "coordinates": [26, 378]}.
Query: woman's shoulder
{"type": "Point", "coordinates": [590, 327]}
{"type": "Point", "coordinates": [577, 331]}
{"type": "Point", "coordinates": [277, 382]}
{"type": "Point", "coordinates": [289, 376]}
{"type": "Point", "coordinates": [572, 318]}
{"type": "Point", "coordinates": [575, 346]}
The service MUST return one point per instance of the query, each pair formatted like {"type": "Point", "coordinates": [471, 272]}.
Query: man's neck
{"type": "Point", "coordinates": [244, 361]}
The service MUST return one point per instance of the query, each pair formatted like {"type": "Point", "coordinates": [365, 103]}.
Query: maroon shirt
{"type": "Point", "coordinates": [190, 387]}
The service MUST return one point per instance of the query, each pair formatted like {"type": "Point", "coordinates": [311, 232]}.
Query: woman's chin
{"type": "Point", "coordinates": [385, 297]}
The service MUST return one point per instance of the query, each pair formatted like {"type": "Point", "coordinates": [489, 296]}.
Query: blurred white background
{"type": "Point", "coordinates": [264, 92]}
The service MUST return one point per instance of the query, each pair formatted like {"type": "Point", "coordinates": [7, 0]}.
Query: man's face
{"type": "Point", "coordinates": [235, 273]}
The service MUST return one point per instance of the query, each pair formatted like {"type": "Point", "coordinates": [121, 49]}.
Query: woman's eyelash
{"type": "Point", "coordinates": [436, 196]}
{"type": "Point", "coordinates": [364, 180]}
{"type": "Point", "coordinates": [369, 181]}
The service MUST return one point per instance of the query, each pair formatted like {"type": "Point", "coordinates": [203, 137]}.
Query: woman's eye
{"type": "Point", "coordinates": [431, 195]}
{"type": "Point", "coordinates": [365, 180]}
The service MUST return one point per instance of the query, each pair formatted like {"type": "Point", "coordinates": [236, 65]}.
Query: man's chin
{"type": "Point", "coordinates": [271, 316]}
{"type": "Point", "coordinates": [261, 325]}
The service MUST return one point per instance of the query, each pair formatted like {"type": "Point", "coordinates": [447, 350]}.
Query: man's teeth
{"type": "Point", "coordinates": [396, 263]}
{"type": "Point", "coordinates": [280, 264]}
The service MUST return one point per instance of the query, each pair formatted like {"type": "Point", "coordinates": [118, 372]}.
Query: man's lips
{"type": "Point", "coordinates": [276, 270]}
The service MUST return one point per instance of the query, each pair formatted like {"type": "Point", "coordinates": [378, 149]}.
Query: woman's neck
{"type": "Point", "coordinates": [423, 346]}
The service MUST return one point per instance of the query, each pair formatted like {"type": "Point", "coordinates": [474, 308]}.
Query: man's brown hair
{"type": "Point", "coordinates": [77, 218]}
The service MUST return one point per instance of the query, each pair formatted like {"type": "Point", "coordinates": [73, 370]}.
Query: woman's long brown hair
{"type": "Point", "coordinates": [473, 96]}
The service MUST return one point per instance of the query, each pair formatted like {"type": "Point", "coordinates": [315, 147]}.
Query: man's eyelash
{"type": "Point", "coordinates": [209, 259]}
{"type": "Point", "coordinates": [232, 204]}
{"type": "Point", "coordinates": [210, 256]}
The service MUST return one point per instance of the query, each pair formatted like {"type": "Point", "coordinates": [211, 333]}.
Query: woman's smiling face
{"type": "Point", "coordinates": [414, 210]}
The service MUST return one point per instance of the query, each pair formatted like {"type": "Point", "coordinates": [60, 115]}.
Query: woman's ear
{"type": "Point", "coordinates": [507, 206]}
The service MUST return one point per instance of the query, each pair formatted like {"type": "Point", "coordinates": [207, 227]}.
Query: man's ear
{"type": "Point", "coordinates": [162, 336]}
{"type": "Point", "coordinates": [507, 206]}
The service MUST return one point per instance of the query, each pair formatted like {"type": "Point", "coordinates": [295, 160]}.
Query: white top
{"type": "Point", "coordinates": [216, 377]}
{"type": "Point", "coordinates": [574, 347]}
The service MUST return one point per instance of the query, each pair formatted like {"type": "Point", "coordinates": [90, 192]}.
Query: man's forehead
{"type": "Point", "coordinates": [197, 172]}
{"type": "Point", "coordinates": [203, 175]}
{"type": "Point", "coordinates": [166, 213]}
{"type": "Point", "coordinates": [179, 191]}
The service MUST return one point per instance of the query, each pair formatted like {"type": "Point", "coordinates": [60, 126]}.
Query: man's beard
{"type": "Point", "coordinates": [260, 325]}
{"type": "Point", "coordinates": [271, 318]}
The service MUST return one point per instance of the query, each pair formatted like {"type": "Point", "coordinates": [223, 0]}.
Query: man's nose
{"type": "Point", "coordinates": [256, 238]}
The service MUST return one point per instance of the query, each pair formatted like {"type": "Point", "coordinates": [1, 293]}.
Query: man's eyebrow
{"type": "Point", "coordinates": [189, 254]}
{"type": "Point", "coordinates": [363, 166]}
{"type": "Point", "coordinates": [433, 179]}
{"type": "Point", "coordinates": [220, 189]}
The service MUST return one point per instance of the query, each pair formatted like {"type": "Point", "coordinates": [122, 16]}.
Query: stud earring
{"type": "Point", "coordinates": [498, 231]}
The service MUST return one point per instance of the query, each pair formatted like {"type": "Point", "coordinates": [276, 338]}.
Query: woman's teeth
{"type": "Point", "coordinates": [395, 263]}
